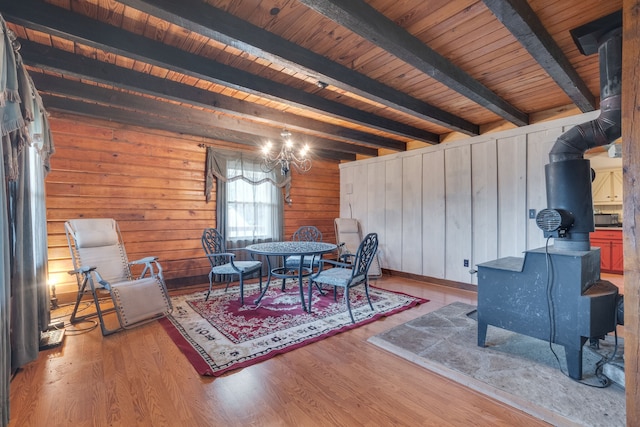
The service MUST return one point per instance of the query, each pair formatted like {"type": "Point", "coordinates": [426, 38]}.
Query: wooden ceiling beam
{"type": "Point", "coordinates": [518, 17]}
{"type": "Point", "coordinates": [137, 118]}
{"type": "Point", "coordinates": [71, 26]}
{"type": "Point", "coordinates": [216, 24]}
{"type": "Point", "coordinates": [172, 113]}
{"type": "Point", "coordinates": [69, 64]}
{"type": "Point", "coordinates": [362, 19]}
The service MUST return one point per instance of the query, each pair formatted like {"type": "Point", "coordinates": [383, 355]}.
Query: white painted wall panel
{"type": "Point", "coordinates": [393, 214]}
{"type": "Point", "coordinates": [457, 167]}
{"type": "Point", "coordinates": [376, 211]}
{"type": "Point", "coordinates": [538, 146]}
{"type": "Point", "coordinates": [457, 208]}
{"type": "Point", "coordinates": [484, 186]}
{"type": "Point", "coordinates": [512, 195]}
{"type": "Point", "coordinates": [360, 195]}
{"type": "Point", "coordinates": [346, 191]}
{"type": "Point", "coordinates": [412, 214]}
{"type": "Point", "coordinates": [433, 214]}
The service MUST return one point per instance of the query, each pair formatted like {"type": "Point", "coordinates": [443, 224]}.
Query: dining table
{"type": "Point", "coordinates": [286, 249]}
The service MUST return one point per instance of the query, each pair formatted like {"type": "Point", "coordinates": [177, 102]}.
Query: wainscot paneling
{"type": "Point", "coordinates": [467, 199]}
{"type": "Point", "coordinates": [152, 183]}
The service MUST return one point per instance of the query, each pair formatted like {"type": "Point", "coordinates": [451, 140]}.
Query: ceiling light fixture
{"type": "Point", "coordinates": [287, 158]}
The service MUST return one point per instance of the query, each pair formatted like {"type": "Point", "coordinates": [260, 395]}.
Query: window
{"type": "Point", "coordinates": [252, 209]}
{"type": "Point", "coordinates": [248, 200]}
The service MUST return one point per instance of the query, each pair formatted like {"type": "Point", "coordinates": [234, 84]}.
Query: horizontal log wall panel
{"type": "Point", "coordinates": [152, 183]}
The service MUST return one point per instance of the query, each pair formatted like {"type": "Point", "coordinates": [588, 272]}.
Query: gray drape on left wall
{"type": "Point", "coordinates": [26, 147]}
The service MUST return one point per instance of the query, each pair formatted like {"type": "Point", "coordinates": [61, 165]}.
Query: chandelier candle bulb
{"type": "Point", "coordinates": [286, 158]}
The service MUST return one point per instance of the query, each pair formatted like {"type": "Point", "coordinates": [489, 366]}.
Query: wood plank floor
{"type": "Point", "coordinates": [140, 378]}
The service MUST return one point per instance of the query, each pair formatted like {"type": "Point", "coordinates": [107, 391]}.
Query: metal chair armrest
{"type": "Point", "coordinates": [221, 254]}
{"type": "Point", "coordinates": [148, 263]}
{"type": "Point", "coordinates": [335, 263]}
{"type": "Point", "coordinates": [82, 270]}
{"type": "Point", "coordinates": [229, 255]}
{"type": "Point", "coordinates": [145, 260]}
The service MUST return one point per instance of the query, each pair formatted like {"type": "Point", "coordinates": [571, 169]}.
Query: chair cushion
{"type": "Point", "coordinates": [347, 225]}
{"type": "Point", "coordinates": [294, 261]}
{"type": "Point", "coordinates": [138, 300]}
{"type": "Point", "coordinates": [334, 277]}
{"type": "Point", "coordinates": [94, 232]}
{"type": "Point", "coordinates": [243, 266]}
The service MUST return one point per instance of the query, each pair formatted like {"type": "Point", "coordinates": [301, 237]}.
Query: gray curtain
{"type": "Point", "coordinates": [5, 299]}
{"type": "Point", "coordinates": [30, 293]}
{"type": "Point", "coordinates": [26, 147]}
{"type": "Point", "coordinates": [219, 162]}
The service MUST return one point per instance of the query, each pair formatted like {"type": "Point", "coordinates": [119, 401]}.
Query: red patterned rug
{"type": "Point", "coordinates": [220, 335]}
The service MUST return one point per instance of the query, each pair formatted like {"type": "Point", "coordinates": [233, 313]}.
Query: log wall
{"type": "Point", "coordinates": [152, 183]}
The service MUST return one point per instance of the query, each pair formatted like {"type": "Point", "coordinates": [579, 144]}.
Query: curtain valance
{"type": "Point", "coordinates": [233, 165]}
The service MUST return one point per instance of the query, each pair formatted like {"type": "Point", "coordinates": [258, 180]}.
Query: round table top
{"type": "Point", "coordinates": [291, 248]}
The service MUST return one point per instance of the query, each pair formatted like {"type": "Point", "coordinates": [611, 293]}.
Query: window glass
{"type": "Point", "coordinates": [251, 209]}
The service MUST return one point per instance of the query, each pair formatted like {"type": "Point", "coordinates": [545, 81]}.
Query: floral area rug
{"type": "Point", "coordinates": [220, 335]}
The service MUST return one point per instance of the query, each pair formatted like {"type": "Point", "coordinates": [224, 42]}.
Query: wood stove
{"type": "Point", "coordinates": [555, 293]}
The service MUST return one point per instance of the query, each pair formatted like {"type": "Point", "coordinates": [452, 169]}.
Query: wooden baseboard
{"type": "Point", "coordinates": [434, 280]}
{"type": "Point", "coordinates": [182, 282]}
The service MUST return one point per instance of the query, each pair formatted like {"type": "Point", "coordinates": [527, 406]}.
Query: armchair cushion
{"type": "Point", "coordinates": [334, 277]}
{"type": "Point", "coordinates": [293, 261]}
{"type": "Point", "coordinates": [243, 266]}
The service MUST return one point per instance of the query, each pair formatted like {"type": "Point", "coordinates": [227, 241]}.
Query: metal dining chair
{"type": "Point", "coordinates": [348, 275]}
{"type": "Point", "coordinates": [306, 233]}
{"type": "Point", "coordinates": [224, 263]}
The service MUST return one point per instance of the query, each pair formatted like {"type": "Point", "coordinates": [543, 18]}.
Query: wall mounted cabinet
{"type": "Point", "coordinates": [607, 187]}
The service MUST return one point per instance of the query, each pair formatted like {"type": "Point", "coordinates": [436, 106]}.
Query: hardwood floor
{"type": "Point", "coordinates": [140, 378]}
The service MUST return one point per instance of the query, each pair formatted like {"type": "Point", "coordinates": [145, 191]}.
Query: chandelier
{"type": "Point", "coordinates": [287, 158]}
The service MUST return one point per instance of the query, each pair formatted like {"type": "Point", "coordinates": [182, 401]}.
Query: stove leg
{"type": "Point", "coordinates": [482, 333]}
{"type": "Point", "coordinates": [574, 359]}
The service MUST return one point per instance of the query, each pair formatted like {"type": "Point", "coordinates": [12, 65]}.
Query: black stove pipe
{"type": "Point", "coordinates": [608, 126]}
{"type": "Point", "coordinates": [568, 175]}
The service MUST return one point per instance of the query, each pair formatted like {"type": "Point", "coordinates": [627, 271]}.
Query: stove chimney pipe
{"type": "Point", "coordinates": [568, 174]}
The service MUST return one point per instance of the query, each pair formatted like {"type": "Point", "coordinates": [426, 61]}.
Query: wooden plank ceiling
{"type": "Point", "coordinates": [348, 77]}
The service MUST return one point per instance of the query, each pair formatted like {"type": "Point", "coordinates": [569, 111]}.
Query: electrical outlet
{"type": "Point", "coordinates": [466, 263]}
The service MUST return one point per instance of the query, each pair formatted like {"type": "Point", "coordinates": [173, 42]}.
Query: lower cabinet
{"type": "Point", "coordinates": [610, 244]}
